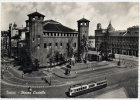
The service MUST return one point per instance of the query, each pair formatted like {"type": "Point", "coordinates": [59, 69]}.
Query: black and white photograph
{"type": "Point", "coordinates": [69, 49]}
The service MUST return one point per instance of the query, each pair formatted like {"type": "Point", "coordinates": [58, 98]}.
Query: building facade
{"type": "Point", "coordinates": [4, 42]}
{"type": "Point", "coordinates": [118, 41]}
{"type": "Point", "coordinates": [46, 38]}
{"type": "Point", "coordinates": [91, 42]}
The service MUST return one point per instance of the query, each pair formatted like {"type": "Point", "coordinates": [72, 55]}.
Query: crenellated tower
{"type": "Point", "coordinates": [83, 32]}
{"type": "Point", "coordinates": [35, 26]}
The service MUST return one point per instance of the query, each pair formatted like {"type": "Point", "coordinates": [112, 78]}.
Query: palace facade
{"type": "Point", "coordinates": [118, 41]}
{"type": "Point", "coordinates": [44, 38]}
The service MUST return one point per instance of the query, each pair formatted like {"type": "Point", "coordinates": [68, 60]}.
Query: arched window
{"type": "Point", "coordinates": [33, 19]}
{"type": "Point", "coordinates": [85, 24]}
{"type": "Point", "coordinates": [54, 34]}
{"type": "Point", "coordinates": [33, 39]}
{"type": "Point", "coordinates": [38, 46]}
{"type": "Point", "coordinates": [74, 45]}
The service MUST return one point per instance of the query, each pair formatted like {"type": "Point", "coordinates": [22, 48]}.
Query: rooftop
{"type": "Point", "coordinates": [36, 14]}
{"type": "Point", "coordinates": [52, 25]}
{"type": "Point", "coordinates": [83, 20]}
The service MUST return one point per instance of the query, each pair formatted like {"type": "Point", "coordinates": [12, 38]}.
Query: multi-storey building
{"type": "Point", "coordinates": [44, 38]}
{"type": "Point", "coordinates": [4, 42]}
{"type": "Point", "coordinates": [118, 41]}
{"type": "Point", "coordinates": [91, 42]}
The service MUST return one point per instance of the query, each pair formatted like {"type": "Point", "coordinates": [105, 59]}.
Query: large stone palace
{"type": "Point", "coordinates": [118, 41]}
{"type": "Point", "coordinates": [46, 37]}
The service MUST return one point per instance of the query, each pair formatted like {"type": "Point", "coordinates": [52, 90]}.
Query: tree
{"type": "Point", "coordinates": [36, 64]}
{"type": "Point", "coordinates": [83, 49]}
{"type": "Point", "coordinates": [69, 49]}
{"type": "Point", "coordinates": [103, 49]}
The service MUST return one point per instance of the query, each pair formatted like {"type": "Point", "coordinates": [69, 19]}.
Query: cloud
{"type": "Point", "coordinates": [121, 14]}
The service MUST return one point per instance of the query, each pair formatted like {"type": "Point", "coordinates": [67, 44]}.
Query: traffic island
{"type": "Point", "coordinates": [61, 73]}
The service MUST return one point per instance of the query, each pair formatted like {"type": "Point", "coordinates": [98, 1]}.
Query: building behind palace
{"type": "Point", "coordinates": [91, 42]}
{"type": "Point", "coordinates": [4, 42]}
{"type": "Point", "coordinates": [118, 41]}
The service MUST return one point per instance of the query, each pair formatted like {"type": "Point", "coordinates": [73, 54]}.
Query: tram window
{"type": "Point", "coordinates": [92, 85]}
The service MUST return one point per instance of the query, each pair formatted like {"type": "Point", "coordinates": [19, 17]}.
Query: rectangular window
{"type": "Point", "coordinates": [33, 39]}
{"type": "Point", "coordinates": [56, 44]}
{"type": "Point", "coordinates": [67, 44]}
{"type": "Point", "coordinates": [74, 45]}
{"type": "Point", "coordinates": [60, 44]}
{"type": "Point", "coordinates": [50, 44]}
{"type": "Point", "coordinates": [45, 45]}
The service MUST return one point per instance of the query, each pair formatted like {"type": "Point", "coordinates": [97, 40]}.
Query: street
{"type": "Point", "coordinates": [115, 76]}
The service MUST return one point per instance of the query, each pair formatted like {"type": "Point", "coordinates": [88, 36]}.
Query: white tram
{"type": "Point", "coordinates": [79, 89]}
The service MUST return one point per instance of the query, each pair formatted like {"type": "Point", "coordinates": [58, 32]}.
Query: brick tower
{"type": "Point", "coordinates": [83, 31]}
{"type": "Point", "coordinates": [35, 24]}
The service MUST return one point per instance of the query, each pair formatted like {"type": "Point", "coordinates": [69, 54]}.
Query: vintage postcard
{"type": "Point", "coordinates": [69, 49]}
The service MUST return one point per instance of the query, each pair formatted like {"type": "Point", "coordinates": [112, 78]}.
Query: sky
{"type": "Point", "coordinates": [121, 14]}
